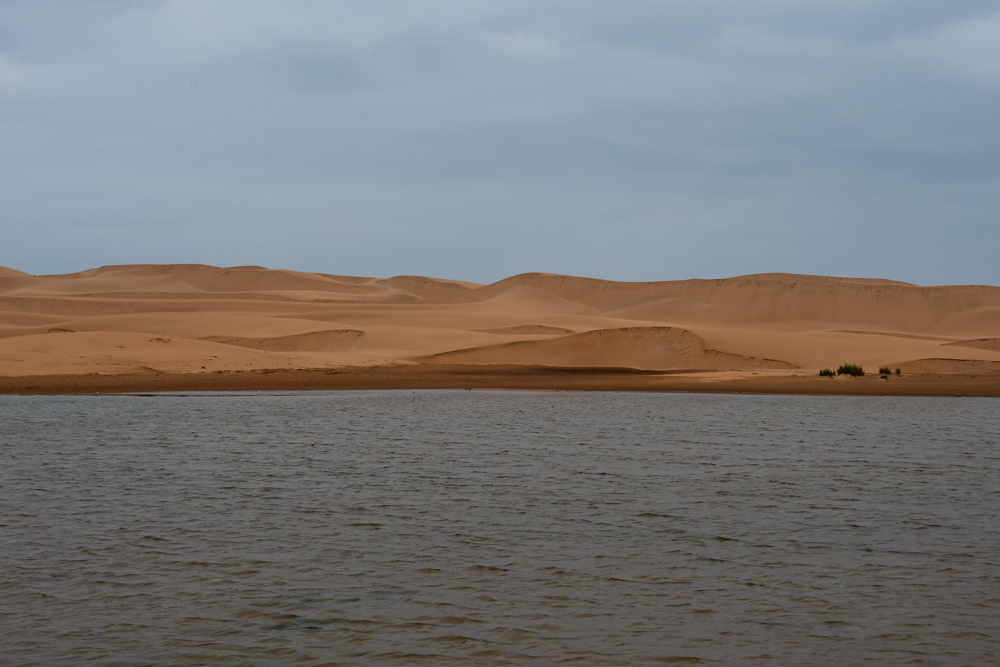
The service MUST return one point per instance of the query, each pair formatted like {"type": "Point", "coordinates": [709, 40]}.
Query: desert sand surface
{"type": "Point", "coordinates": [188, 327]}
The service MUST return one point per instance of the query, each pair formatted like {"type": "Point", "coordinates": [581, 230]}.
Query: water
{"type": "Point", "coordinates": [473, 528]}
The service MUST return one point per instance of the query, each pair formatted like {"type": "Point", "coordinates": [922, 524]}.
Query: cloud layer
{"type": "Point", "coordinates": [638, 140]}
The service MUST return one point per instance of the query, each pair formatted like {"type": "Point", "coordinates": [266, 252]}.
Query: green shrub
{"type": "Point", "coordinates": [884, 370]}
{"type": "Point", "coordinates": [826, 373]}
{"type": "Point", "coordinates": [899, 371]}
{"type": "Point", "coordinates": [851, 369]}
{"type": "Point", "coordinates": [884, 376]}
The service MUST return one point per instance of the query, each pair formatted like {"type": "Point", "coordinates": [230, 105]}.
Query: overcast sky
{"type": "Point", "coordinates": [630, 140]}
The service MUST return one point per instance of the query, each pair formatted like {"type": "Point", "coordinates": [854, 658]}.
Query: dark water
{"type": "Point", "coordinates": [499, 528]}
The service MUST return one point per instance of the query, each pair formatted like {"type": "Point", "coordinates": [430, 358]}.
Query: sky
{"type": "Point", "coordinates": [628, 140]}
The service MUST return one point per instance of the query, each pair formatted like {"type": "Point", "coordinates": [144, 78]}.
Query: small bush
{"type": "Point", "coordinates": [851, 369]}
{"type": "Point", "coordinates": [826, 373]}
{"type": "Point", "coordinates": [899, 371]}
{"type": "Point", "coordinates": [884, 376]}
{"type": "Point", "coordinates": [884, 370]}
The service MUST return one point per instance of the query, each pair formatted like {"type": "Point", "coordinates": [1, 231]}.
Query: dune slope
{"type": "Point", "coordinates": [644, 348]}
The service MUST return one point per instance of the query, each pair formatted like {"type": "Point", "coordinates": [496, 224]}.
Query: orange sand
{"type": "Point", "coordinates": [177, 320]}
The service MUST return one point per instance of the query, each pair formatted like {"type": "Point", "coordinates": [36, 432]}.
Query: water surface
{"type": "Point", "coordinates": [499, 528]}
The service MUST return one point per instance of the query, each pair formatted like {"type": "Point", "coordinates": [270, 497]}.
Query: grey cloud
{"type": "Point", "coordinates": [643, 140]}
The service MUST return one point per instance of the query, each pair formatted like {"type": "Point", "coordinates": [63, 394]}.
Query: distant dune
{"type": "Point", "coordinates": [12, 273]}
{"type": "Point", "coordinates": [188, 318]}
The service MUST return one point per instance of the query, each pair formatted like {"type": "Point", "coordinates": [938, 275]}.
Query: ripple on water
{"type": "Point", "coordinates": [498, 528]}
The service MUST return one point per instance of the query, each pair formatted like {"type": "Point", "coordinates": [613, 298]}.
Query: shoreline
{"type": "Point", "coordinates": [496, 377]}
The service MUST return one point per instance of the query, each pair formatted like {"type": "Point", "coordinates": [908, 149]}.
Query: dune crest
{"type": "Point", "coordinates": [529, 330]}
{"type": "Point", "coordinates": [330, 340]}
{"type": "Point", "coordinates": [249, 317]}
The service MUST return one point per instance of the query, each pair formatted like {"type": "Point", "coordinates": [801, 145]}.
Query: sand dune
{"type": "Point", "coordinates": [767, 300]}
{"type": "Point", "coordinates": [6, 272]}
{"type": "Point", "coordinates": [644, 348]}
{"type": "Point", "coordinates": [429, 289]}
{"type": "Point", "coordinates": [116, 319]}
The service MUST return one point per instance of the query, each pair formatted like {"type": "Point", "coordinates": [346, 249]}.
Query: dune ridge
{"type": "Point", "coordinates": [192, 318]}
{"type": "Point", "coordinates": [982, 344]}
{"type": "Point", "coordinates": [530, 330]}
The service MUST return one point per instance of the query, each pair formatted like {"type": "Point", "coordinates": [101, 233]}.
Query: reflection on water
{"type": "Point", "coordinates": [499, 528]}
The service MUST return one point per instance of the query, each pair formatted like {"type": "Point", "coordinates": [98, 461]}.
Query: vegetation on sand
{"type": "Point", "coordinates": [851, 369]}
{"type": "Point", "coordinates": [826, 373]}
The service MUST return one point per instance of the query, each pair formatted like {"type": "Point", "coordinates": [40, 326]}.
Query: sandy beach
{"type": "Point", "coordinates": [194, 327]}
